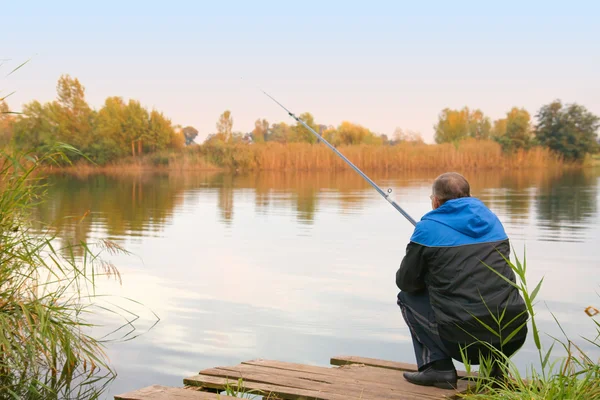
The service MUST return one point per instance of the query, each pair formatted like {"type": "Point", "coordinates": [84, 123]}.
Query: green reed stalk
{"type": "Point", "coordinates": [45, 292]}
{"type": "Point", "coordinates": [574, 376]}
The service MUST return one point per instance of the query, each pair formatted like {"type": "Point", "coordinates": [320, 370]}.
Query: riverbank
{"type": "Point", "coordinates": [468, 154]}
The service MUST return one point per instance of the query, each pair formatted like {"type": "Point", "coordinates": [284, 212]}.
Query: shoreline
{"type": "Point", "coordinates": [470, 155]}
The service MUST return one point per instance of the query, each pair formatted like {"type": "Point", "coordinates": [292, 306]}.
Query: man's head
{"type": "Point", "coordinates": [449, 186]}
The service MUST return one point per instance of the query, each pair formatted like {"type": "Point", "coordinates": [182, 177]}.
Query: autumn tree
{"type": "Point", "coordinates": [499, 128]}
{"type": "Point", "coordinates": [225, 126]}
{"type": "Point", "coordinates": [455, 125]}
{"type": "Point", "coordinates": [117, 130]}
{"type": "Point", "coordinates": [514, 131]}
{"type": "Point", "coordinates": [348, 133]}
{"type": "Point", "coordinates": [71, 114]}
{"type": "Point", "coordinates": [177, 140]}
{"type": "Point", "coordinates": [406, 136]}
{"type": "Point", "coordinates": [67, 119]}
{"type": "Point", "coordinates": [129, 129]}
{"type": "Point", "coordinates": [260, 131]}
{"type": "Point", "coordinates": [111, 130]}
{"type": "Point", "coordinates": [160, 132]}
{"type": "Point", "coordinates": [570, 130]}
{"type": "Point", "coordinates": [280, 133]}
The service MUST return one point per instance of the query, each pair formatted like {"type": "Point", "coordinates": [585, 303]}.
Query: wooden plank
{"type": "Point", "coordinates": [158, 392]}
{"type": "Point", "coordinates": [347, 370]}
{"type": "Point", "coordinates": [372, 376]}
{"type": "Point", "coordinates": [357, 377]}
{"type": "Point", "coordinates": [291, 366]}
{"type": "Point", "coordinates": [374, 362]}
{"type": "Point", "coordinates": [288, 393]}
{"type": "Point", "coordinates": [351, 387]}
{"type": "Point", "coordinates": [283, 392]}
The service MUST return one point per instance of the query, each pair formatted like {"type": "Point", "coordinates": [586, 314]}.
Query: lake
{"type": "Point", "coordinates": [300, 267]}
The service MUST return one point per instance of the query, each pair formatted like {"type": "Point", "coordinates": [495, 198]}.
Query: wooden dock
{"type": "Point", "coordinates": [349, 378]}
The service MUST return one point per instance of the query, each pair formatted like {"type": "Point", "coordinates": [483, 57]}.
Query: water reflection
{"type": "Point", "coordinates": [568, 202]}
{"type": "Point", "coordinates": [133, 204]}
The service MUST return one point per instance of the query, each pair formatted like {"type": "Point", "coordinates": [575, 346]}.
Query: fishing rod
{"type": "Point", "coordinates": [320, 138]}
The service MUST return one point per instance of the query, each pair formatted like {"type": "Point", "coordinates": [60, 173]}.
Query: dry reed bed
{"type": "Point", "coordinates": [468, 154]}
{"type": "Point", "coordinates": [304, 157]}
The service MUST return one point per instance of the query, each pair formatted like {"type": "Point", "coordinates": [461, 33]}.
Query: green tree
{"type": "Point", "coordinates": [137, 126]}
{"type": "Point", "coordinates": [160, 132]}
{"type": "Point", "coordinates": [280, 133]}
{"type": "Point", "coordinates": [569, 130]}
{"type": "Point", "coordinates": [112, 139]}
{"type": "Point", "coordinates": [33, 129]}
{"type": "Point", "coordinates": [190, 133]}
{"type": "Point", "coordinates": [514, 131]}
{"type": "Point", "coordinates": [225, 126]}
{"type": "Point", "coordinates": [123, 129]}
{"type": "Point", "coordinates": [455, 125]}
{"type": "Point", "coordinates": [68, 119]}
{"type": "Point", "coordinates": [71, 114]}
{"type": "Point", "coordinates": [300, 133]}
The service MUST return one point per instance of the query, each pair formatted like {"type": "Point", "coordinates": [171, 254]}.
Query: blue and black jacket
{"type": "Point", "coordinates": [447, 256]}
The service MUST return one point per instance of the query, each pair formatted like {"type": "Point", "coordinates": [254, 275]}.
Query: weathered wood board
{"type": "Point", "coordinates": [158, 392]}
{"type": "Point", "coordinates": [351, 378]}
{"type": "Point", "coordinates": [297, 381]}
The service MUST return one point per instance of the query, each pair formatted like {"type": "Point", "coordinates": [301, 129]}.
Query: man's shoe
{"type": "Point", "coordinates": [496, 372]}
{"type": "Point", "coordinates": [497, 376]}
{"type": "Point", "coordinates": [432, 377]}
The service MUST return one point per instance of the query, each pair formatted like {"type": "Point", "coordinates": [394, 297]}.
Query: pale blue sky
{"type": "Point", "coordinates": [380, 64]}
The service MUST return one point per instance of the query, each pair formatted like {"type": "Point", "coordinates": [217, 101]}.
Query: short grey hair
{"type": "Point", "coordinates": [449, 186]}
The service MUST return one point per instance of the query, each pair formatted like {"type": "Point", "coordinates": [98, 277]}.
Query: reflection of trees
{"type": "Point", "coordinates": [306, 203]}
{"type": "Point", "coordinates": [120, 205]}
{"type": "Point", "coordinates": [509, 191]}
{"type": "Point", "coordinates": [568, 200]}
{"type": "Point", "coordinates": [125, 205]}
{"type": "Point", "coordinates": [225, 185]}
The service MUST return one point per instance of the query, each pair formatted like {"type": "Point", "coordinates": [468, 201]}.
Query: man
{"type": "Point", "coordinates": [448, 289]}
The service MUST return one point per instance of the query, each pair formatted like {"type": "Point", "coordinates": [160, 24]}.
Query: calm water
{"type": "Point", "coordinates": [301, 267]}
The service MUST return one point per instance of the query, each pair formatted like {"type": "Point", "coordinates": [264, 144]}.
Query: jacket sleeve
{"type": "Point", "coordinates": [410, 277]}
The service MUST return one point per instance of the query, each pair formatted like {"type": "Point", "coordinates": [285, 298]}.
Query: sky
{"type": "Point", "coordinates": [379, 64]}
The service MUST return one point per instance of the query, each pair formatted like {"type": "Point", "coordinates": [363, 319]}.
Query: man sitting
{"type": "Point", "coordinates": [446, 285]}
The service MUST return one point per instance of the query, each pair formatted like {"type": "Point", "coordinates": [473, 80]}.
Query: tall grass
{"type": "Point", "coordinates": [270, 156]}
{"type": "Point", "coordinates": [185, 160]}
{"type": "Point", "coordinates": [480, 154]}
{"type": "Point", "coordinates": [572, 376]}
{"type": "Point", "coordinates": [45, 295]}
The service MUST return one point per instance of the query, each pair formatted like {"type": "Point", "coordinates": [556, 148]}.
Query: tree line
{"type": "Point", "coordinates": [119, 129]}
{"type": "Point", "coordinates": [127, 129]}
{"type": "Point", "coordinates": [570, 130]}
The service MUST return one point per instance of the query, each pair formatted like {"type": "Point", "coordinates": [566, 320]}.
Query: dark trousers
{"type": "Point", "coordinates": [428, 345]}
{"type": "Point", "coordinates": [419, 317]}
